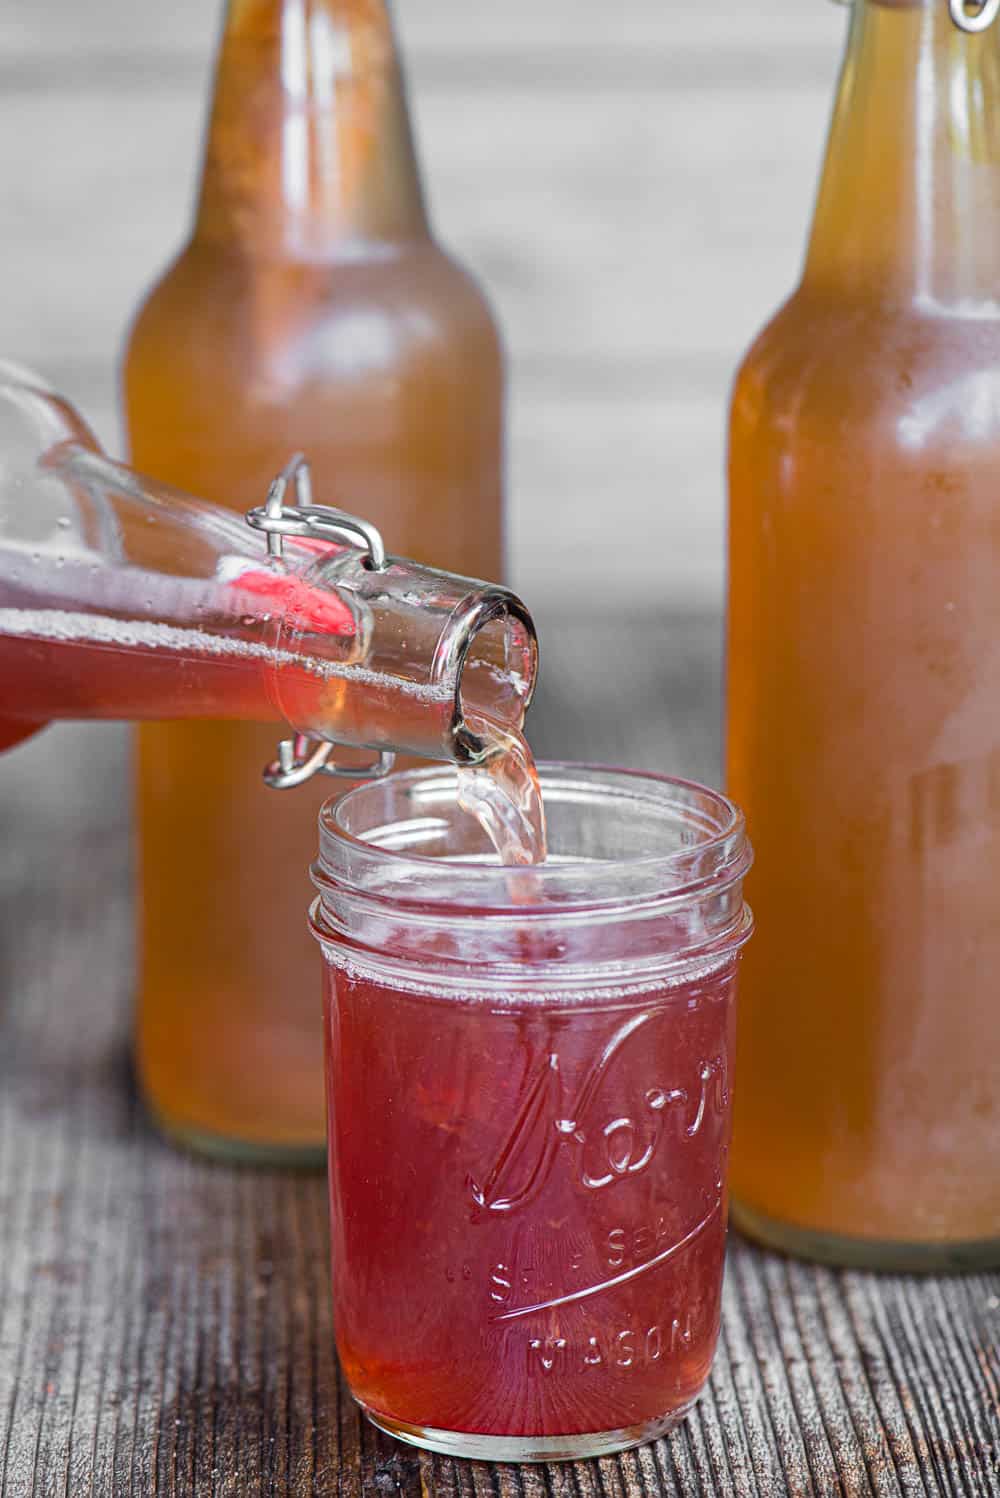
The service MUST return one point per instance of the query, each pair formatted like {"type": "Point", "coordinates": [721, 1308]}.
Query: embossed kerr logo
{"type": "Point", "coordinates": [602, 1150]}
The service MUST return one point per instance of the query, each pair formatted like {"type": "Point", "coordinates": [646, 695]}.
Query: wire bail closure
{"type": "Point", "coordinates": [301, 757]}
{"type": "Point", "coordinates": [980, 18]}
{"type": "Point", "coordinates": [318, 522]}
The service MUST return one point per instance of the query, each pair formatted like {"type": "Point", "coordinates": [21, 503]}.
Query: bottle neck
{"type": "Point", "coordinates": [309, 149]}
{"type": "Point", "coordinates": [122, 598]}
{"type": "Point", "coordinates": [909, 203]}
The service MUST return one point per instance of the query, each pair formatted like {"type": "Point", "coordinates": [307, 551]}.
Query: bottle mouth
{"type": "Point", "coordinates": [432, 664]}
{"type": "Point", "coordinates": [489, 650]}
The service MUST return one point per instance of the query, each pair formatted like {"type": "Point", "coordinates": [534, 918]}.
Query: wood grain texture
{"type": "Point", "coordinates": [182, 28]}
{"type": "Point", "coordinates": [632, 182]}
{"type": "Point", "coordinates": [164, 1323]}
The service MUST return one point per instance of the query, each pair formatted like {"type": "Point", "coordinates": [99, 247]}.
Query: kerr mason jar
{"type": "Point", "coordinates": [529, 1079]}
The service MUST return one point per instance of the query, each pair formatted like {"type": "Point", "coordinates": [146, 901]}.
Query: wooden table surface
{"type": "Point", "coordinates": [165, 1323]}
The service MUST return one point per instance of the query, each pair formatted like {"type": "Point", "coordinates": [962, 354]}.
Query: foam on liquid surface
{"type": "Point", "coordinates": [60, 626]}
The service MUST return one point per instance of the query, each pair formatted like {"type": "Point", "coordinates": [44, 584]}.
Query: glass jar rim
{"type": "Point", "coordinates": [703, 831]}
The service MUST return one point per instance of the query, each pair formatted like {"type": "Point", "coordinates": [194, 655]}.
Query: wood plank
{"type": "Point", "coordinates": [622, 500]}
{"type": "Point", "coordinates": [62, 28]}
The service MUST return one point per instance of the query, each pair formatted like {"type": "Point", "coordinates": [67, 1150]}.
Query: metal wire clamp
{"type": "Point", "coordinates": [318, 522]}
{"type": "Point", "coordinates": [982, 16]}
{"type": "Point", "coordinates": [301, 757]}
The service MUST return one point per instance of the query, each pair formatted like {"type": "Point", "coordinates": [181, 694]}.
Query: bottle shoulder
{"type": "Point", "coordinates": [876, 363]}
{"type": "Point", "coordinates": [412, 307]}
{"type": "Point", "coordinates": [393, 275]}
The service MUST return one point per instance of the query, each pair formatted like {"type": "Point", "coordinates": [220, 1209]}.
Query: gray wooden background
{"type": "Point", "coordinates": [630, 178]}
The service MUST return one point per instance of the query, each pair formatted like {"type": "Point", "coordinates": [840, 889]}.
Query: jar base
{"type": "Point", "coordinates": [229, 1151]}
{"type": "Point", "coordinates": [885, 1255]}
{"type": "Point", "coordinates": [486, 1448]}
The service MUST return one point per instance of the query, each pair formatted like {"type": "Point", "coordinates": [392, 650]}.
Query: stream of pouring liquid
{"type": "Point", "coordinates": [503, 794]}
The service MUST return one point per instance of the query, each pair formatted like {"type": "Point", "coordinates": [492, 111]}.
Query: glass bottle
{"type": "Point", "coordinates": [123, 598]}
{"type": "Point", "coordinates": [864, 676]}
{"type": "Point", "coordinates": [311, 310]}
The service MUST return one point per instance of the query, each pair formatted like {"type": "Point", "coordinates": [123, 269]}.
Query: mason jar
{"type": "Point", "coordinates": [529, 1083]}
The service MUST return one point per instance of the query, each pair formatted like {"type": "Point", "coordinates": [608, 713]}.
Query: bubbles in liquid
{"type": "Point", "coordinates": [147, 634]}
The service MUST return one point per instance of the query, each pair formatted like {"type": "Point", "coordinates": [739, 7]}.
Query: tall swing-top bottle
{"type": "Point", "coordinates": [864, 676]}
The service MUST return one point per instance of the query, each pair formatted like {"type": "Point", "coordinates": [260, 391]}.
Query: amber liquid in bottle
{"type": "Point", "coordinates": [864, 677]}
{"type": "Point", "coordinates": [311, 311]}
